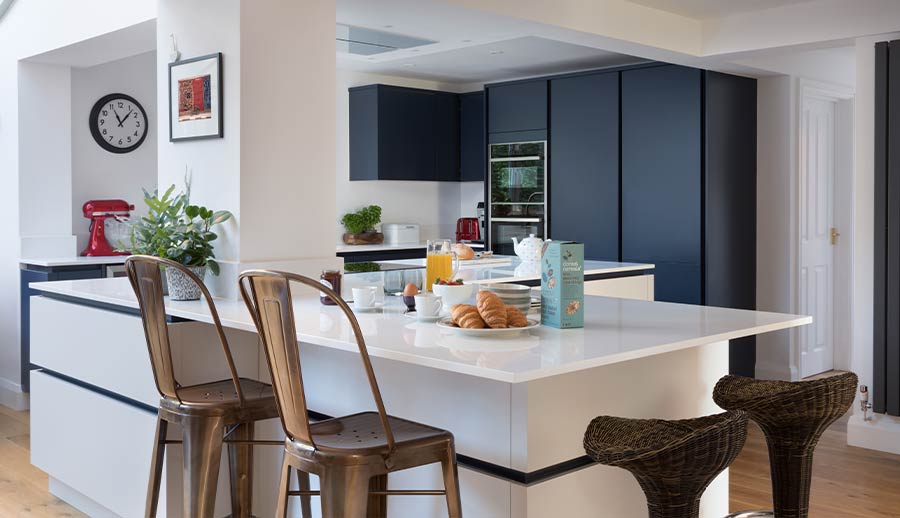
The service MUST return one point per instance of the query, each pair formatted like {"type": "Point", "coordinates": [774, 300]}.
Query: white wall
{"type": "Point", "coordinates": [29, 28]}
{"type": "Point", "coordinates": [775, 249]}
{"type": "Point", "coordinates": [434, 205]}
{"type": "Point", "coordinates": [97, 173]}
{"type": "Point", "coordinates": [837, 65]}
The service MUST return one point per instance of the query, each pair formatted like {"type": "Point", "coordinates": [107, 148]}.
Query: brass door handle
{"type": "Point", "coordinates": [834, 235]}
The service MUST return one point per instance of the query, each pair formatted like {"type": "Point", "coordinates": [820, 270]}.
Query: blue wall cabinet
{"type": "Point", "coordinates": [401, 133]}
{"type": "Point", "coordinates": [517, 107]}
{"type": "Point", "coordinates": [662, 181]}
{"type": "Point", "coordinates": [584, 163]}
{"type": "Point", "coordinates": [473, 145]}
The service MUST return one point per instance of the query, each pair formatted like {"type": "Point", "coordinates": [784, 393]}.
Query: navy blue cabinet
{"type": "Point", "coordinates": [518, 107]}
{"type": "Point", "coordinates": [662, 181]}
{"type": "Point", "coordinates": [584, 163]}
{"type": "Point", "coordinates": [473, 146]}
{"type": "Point", "coordinates": [401, 133]}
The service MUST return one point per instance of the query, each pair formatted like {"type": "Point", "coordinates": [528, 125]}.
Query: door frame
{"type": "Point", "coordinates": [845, 148]}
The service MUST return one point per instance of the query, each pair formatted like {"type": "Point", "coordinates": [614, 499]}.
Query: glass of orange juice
{"type": "Point", "coordinates": [439, 263]}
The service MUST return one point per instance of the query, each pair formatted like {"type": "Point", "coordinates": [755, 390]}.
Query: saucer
{"type": "Point", "coordinates": [377, 306]}
{"type": "Point", "coordinates": [414, 315]}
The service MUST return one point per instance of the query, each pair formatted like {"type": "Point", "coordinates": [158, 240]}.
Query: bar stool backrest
{"type": "Point", "coordinates": [144, 272]}
{"type": "Point", "coordinates": [268, 297]}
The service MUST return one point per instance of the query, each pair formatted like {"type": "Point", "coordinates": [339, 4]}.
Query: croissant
{"type": "Point", "coordinates": [515, 318]}
{"type": "Point", "coordinates": [491, 309]}
{"type": "Point", "coordinates": [467, 316]}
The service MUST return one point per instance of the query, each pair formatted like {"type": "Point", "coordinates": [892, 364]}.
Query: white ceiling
{"type": "Point", "coordinates": [706, 9]}
{"type": "Point", "coordinates": [127, 42]}
{"type": "Point", "coordinates": [508, 59]}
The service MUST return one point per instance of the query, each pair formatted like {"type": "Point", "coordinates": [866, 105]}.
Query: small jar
{"type": "Point", "coordinates": [332, 279]}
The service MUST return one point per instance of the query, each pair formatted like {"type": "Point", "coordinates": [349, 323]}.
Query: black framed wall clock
{"type": "Point", "coordinates": [118, 123]}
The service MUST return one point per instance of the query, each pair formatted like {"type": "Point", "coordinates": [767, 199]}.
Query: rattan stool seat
{"type": "Point", "coordinates": [673, 461]}
{"type": "Point", "coordinates": [792, 415]}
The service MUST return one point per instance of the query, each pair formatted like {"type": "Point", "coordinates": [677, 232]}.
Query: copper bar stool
{"type": "Point", "coordinates": [210, 414]}
{"type": "Point", "coordinates": [793, 416]}
{"type": "Point", "coordinates": [673, 461]}
{"type": "Point", "coordinates": [347, 453]}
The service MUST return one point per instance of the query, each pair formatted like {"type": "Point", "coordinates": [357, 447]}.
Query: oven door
{"type": "Point", "coordinates": [504, 229]}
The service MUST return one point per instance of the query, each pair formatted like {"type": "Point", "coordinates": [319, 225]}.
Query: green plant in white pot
{"type": "Point", "coordinates": [176, 230]}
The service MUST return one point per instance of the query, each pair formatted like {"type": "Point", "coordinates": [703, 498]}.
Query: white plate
{"type": "Point", "coordinates": [370, 309]}
{"type": "Point", "coordinates": [488, 333]}
{"type": "Point", "coordinates": [413, 314]}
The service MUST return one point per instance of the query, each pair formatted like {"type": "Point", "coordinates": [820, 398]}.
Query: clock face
{"type": "Point", "coordinates": [118, 123]}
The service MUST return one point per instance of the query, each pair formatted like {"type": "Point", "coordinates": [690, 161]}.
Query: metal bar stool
{"type": "Point", "coordinates": [673, 461]}
{"type": "Point", "coordinates": [210, 414]}
{"type": "Point", "coordinates": [793, 416]}
{"type": "Point", "coordinates": [349, 454]}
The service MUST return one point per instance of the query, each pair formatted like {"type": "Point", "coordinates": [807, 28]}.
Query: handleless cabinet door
{"type": "Point", "coordinates": [662, 177]}
{"type": "Point", "coordinates": [473, 146]}
{"type": "Point", "coordinates": [517, 107]}
{"type": "Point", "coordinates": [446, 137]}
{"type": "Point", "coordinates": [406, 134]}
{"type": "Point", "coordinates": [584, 163]}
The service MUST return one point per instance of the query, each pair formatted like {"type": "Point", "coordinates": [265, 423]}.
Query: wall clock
{"type": "Point", "coordinates": [118, 123]}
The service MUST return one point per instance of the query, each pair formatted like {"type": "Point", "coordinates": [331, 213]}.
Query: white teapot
{"type": "Point", "coordinates": [529, 249]}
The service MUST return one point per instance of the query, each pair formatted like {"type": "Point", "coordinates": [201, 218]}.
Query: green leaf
{"type": "Point", "coordinates": [192, 211]}
{"type": "Point", "coordinates": [220, 216]}
{"type": "Point", "coordinates": [213, 266]}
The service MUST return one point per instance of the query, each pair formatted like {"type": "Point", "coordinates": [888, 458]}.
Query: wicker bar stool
{"type": "Point", "coordinates": [673, 461]}
{"type": "Point", "coordinates": [792, 415]}
{"type": "Point", "coordinates": [352, 455]}
{"type": "Point", "coordinates": [210, 414]}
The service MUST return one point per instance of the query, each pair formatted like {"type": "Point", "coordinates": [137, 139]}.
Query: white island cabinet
{"type": "Point", "coordinates": [518, 407]}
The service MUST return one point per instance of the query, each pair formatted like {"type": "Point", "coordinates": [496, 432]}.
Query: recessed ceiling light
{"type": "Point", "coordinates": [371, 59]}
{"type": "Point", "coordinates": [495, 52]}
{"type": "Point", "coordinates": [388, 26]}
{"type": "Point", "coordinates": [408, 65]}
{"type": "Point", "coordinates": [467, 41]}
{"type": "Point", "coordinates": [414, 50]}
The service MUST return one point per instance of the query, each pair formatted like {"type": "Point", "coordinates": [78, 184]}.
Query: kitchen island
{"type": "Point", "coordinates": [518, 407]}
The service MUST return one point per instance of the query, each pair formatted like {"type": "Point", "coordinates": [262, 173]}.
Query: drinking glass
{"type": "Point", "coordinates": [439, 263]}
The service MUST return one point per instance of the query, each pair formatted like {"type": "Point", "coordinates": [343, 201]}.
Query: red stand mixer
{"type": "Point", "coordinates": [98, 211]}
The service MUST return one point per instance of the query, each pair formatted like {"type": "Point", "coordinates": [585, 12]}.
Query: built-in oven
{"type": "Point", "coordinates": [517, 183]}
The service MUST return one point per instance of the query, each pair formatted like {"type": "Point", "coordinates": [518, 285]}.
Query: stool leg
{"type": "Point", "coordinates": [791, 466]}
{"type": "Point", "coordinates": [451, 483]}
{"type": "Point", "coordinates": [240, 464]}
{"type": "Point", "coordinates": [671, 500]}
{"type": "Point", "coordinates": [156, 466]}
{"type": "Point", "coordinates": [344, 492]}
{"type": "Point", "coordinates": [305, 501]}
{"type": "Point", "coordinates": [283, 486]}
{"type": "Point", "coordinates": [377, 506]}
{"type": "Point", "coordinates": [202, 455]}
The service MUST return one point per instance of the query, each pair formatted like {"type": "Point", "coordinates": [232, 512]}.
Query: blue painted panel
{"type": "Point", "coordinates": [517, 106]}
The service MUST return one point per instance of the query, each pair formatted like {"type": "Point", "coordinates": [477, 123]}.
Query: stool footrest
{"type": "Point", "coordinates": [752, 514]}
{"type": "Point", "coordinates": [386, 492]}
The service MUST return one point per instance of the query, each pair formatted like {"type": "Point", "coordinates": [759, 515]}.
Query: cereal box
{"type": "Point", "coordinates": [562, 284]}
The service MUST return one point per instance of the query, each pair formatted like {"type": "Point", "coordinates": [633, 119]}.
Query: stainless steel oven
{"type": "Point", "coordinates": [517, 184]}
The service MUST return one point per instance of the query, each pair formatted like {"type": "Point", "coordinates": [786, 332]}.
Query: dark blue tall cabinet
{"type": "Point", "coordinates": [584, 162]}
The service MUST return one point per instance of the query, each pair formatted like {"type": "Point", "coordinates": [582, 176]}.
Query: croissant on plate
{"type": "Point", "coordinates": [467, 316]}
{"type": "Point", "coordinates": [491, 309]}
{"type": "Point", "coordinates": [515, 318]}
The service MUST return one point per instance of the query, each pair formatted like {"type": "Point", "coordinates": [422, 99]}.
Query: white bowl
{"type": "Point", "coordinates": [453, 295]}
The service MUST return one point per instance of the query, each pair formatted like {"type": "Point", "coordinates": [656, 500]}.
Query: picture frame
{"type": "Point", "coordinates": [196, 98]}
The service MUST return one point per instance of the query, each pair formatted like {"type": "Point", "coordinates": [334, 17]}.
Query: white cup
{"type": "Point", "coordinates": [428, 305]}
{"type": "Point", "coordinates": [364, 298]}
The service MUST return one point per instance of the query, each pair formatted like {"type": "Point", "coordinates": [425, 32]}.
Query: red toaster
{"type": "Point", "coordinates": [467, 230]}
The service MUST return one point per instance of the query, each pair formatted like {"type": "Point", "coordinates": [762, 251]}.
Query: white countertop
{"type": "Point", "coordinates": [616, 330]}
{"type": "Point", "coordinates": [75, 261]}
{"type": "Point", "coordinates": [384, 247]}
{"type": "Point", "coordinates": [506, 268]}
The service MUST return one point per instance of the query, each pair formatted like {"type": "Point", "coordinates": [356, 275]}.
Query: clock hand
{"type": "Point", "coordinates": [125, 118]}
{"type": "Point", "coordinates": [117, 117]}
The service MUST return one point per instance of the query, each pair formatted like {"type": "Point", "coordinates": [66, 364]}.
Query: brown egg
{"type": "Point", "coordinates": [411, 290]}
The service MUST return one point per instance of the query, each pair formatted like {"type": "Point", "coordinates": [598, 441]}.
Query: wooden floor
{"type": "Point", "coordinates": [849, 483]}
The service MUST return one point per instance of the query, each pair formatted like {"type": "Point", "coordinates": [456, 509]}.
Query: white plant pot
{"type": "Point", "coordinates": [182, 287]}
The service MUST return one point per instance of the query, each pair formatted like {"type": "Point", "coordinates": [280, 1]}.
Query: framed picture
{"type": "Point", "coordinates": [195, 98]}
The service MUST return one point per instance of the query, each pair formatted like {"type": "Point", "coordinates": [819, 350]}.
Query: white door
{"type": "Point", "coordinates": [817, 162]}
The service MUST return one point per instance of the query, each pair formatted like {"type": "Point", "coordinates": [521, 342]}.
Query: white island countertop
{"type": "Point", "coordinates": [52, 262]}
{"type": "Point", "coordinates": [616, 330]}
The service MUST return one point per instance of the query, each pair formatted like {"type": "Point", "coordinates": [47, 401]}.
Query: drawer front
{"type": "Point", "coordinates": [636, 287]}
{"type": "Point", "coordinates": [96, 346]}
{"type": "Point", "coordinates": [98, 446]}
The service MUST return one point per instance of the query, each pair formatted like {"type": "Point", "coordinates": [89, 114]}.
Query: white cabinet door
{"type": "Point", "coordinates": [637, 287]}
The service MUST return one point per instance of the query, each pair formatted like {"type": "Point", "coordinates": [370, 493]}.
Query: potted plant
{"type": "Point", "coordinates": [176, 230]}
{"type": "Point", "coordinates": [360, 226]}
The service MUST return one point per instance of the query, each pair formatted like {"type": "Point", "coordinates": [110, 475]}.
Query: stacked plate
{"type": "Point", "coordinates": [516, 295]}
